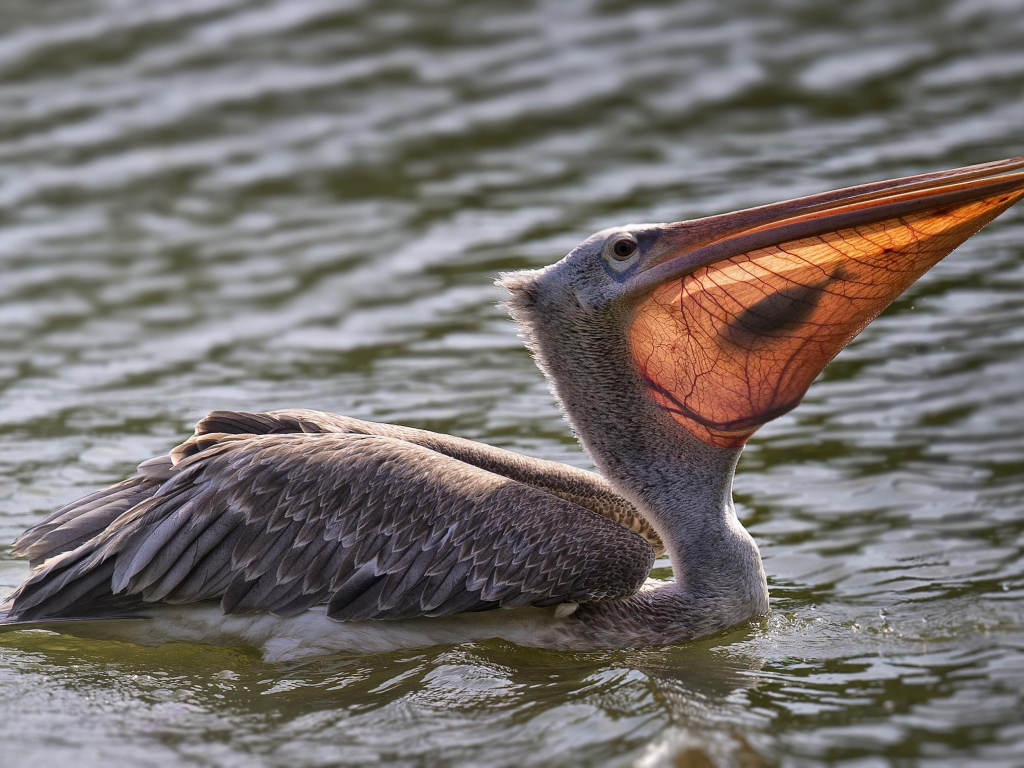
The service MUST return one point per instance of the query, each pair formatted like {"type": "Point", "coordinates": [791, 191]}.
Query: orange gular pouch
{"type": "Point", "coordinates": [736, 343]}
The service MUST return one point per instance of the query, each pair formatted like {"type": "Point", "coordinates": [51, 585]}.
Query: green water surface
{"type": "Point", "coordinates": [252, 205]}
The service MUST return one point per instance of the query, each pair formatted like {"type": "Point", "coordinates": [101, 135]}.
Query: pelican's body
{"type": "Point", "coordinates": [666, 346]}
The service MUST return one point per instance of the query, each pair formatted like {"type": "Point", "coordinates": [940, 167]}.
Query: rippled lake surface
{"type": "Point", "coordinates": [252, 205]}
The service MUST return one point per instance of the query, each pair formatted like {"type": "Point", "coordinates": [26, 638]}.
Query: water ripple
{"type": "Point", "coordinates": [210, 203]}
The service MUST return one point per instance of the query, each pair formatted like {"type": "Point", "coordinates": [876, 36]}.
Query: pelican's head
{"type": "Point", "coordinates": [724, 322]}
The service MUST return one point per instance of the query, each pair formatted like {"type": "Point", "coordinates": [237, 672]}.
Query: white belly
{"type": "Point", "coordinates": [312, 633]}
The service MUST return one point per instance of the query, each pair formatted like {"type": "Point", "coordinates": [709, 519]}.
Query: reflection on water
{"type": "Point", "coordinates": [489, 702]}
{"type": "Point", "coordinates": [226, 204]}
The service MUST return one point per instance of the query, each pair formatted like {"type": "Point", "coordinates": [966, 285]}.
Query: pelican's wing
{"type": "Point", "coordinates": [370, 526]}
{"type": "Point", "coordinates": [587, 489]}
{"type": "Point", "coordinates": [83, 519]}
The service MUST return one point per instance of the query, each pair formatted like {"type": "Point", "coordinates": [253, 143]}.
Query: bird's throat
{"type": "Point", "coordinates": [682, 485]}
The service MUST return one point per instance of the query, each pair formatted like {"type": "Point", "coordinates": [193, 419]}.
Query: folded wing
{"type": "Point", "coordinates": [370, 526]}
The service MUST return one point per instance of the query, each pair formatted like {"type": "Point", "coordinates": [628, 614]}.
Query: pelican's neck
{"type": "Point", "coordinates": [684, 488]}
{"type": "Point", "coordinates": [680, 484]}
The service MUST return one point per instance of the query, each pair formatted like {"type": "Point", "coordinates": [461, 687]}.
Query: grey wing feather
{"type": "Point", "coordinates": [586, 489]}
{"type": "Point", "coordinates": [371, 526]}
{"type": "Point", "coordinates": [81, 520]}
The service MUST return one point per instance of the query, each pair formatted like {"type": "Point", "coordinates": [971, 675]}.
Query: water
{"type": "Point", "coordinates": [226, 204]}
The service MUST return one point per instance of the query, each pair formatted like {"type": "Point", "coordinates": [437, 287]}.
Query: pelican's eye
{"type": "Point", "coordinates": [623, 248]}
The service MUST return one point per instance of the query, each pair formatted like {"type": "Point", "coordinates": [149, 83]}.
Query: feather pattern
{"type": "Point", "coordinates": [586, 489]}
{"type": "Point", "coordinates": [281, 512]}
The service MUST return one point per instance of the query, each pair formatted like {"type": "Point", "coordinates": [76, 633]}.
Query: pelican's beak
{"type": "Point", "coordinates": [739, 313]}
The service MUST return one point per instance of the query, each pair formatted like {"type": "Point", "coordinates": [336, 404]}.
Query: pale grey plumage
{"type": "Point", "coordinates": [300, 508]}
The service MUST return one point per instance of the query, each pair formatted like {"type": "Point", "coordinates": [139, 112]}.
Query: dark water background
{"type": "Point", "coordinates": [225, 204]}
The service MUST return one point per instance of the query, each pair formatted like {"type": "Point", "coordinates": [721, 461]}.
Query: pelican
{"type": "Point", "coordinates": [666, 346]}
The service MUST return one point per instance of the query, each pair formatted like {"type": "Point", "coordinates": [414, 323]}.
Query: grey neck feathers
{"type": "Point", "coordinates": [683, 486]}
